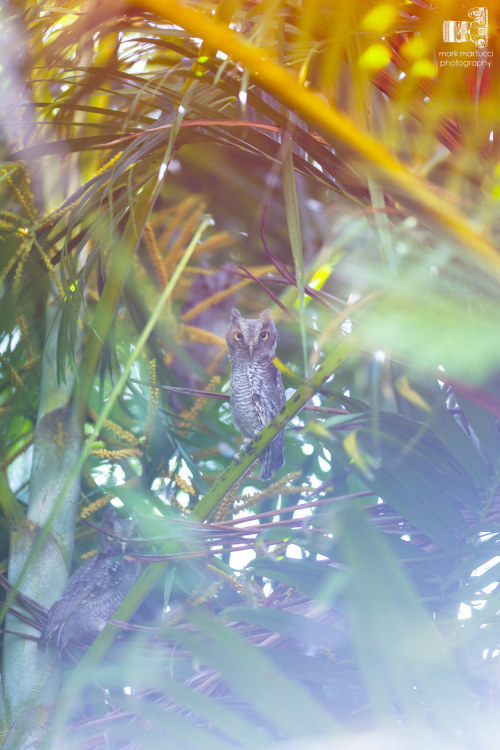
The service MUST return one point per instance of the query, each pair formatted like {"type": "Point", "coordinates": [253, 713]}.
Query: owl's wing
{"type": "Point", "coordinates": [268, 401]}
{"type": "Point", "coordinates": [79, 587]}
{"type": "Point", "coordinates": [269, 396]}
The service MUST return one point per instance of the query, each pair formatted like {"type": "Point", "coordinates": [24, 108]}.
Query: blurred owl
{"type": "Point", "coordinates": [256, 390]}
{"type": "Point", "coordinates": [94, 591]}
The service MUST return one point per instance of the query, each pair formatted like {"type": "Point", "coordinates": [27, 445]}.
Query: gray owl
{"type": "Point", "coordinates": [257, 392]}
{"type": "Point", "coordinates": [94, 591]}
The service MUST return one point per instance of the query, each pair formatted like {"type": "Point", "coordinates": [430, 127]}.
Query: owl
{"type": "Point", "coordinates": [256, 389]}
{"type": "Point", "coordinates": [94, 591]}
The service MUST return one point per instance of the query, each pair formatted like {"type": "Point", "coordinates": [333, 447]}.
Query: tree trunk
{"type": "Point", "coordinates": [30, 675]}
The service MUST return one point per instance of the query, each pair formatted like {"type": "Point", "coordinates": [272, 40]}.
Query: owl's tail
{"type": "Point", "coordinates": [272, 459]}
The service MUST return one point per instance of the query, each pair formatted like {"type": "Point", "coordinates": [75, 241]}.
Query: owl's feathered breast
{"type": "Point", "coordinates": [256, 394]}
{"type": "Point", "coordinates": [93, 593]}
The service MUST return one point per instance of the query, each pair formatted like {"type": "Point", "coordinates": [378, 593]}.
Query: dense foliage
{"type": "Point", "coordinates": [162, 163]}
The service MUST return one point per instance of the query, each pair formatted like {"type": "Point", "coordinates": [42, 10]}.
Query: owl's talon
{"type": "Point", "coordinates": [237, 457]}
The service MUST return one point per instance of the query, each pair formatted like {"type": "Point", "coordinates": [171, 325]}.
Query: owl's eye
{"type": "Point", "coordinates": [238, 335]}
{"type": "Point", "coordinates": [264, 335]}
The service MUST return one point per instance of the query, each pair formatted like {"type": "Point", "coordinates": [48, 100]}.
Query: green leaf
{"type": "Point", "coordinates": [281, 701]}
{"type": "Point", "coordinates": [304, 629]}
{"type": "Point", "coordinates": [308, 576]}
{"type": "Point", "coordinates": [391, 628]}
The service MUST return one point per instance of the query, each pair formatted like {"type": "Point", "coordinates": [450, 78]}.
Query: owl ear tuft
{"type": "Point", "coordinates": [109, 517]}
{"type": "Point", "coordinates": [265, 315]}
{"type": "Point", "coordinates": [235, 316]}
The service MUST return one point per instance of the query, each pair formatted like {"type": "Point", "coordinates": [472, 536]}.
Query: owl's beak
{"type": "Point", "coordinates": [251, 347]}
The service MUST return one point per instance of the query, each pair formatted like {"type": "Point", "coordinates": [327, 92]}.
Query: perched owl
{"type": "Point", "coordinates": [257, 392]}
{"type": "Point", "coordinates": [94, 591]}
